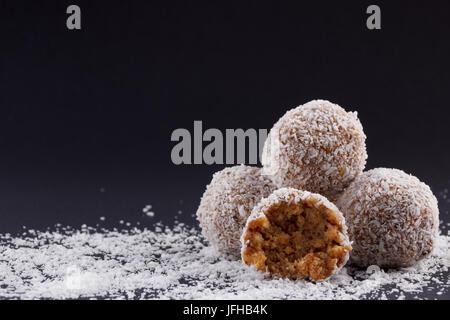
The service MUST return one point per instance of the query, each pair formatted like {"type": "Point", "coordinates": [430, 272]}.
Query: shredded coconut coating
{"type": "Point", "coordinates": [227, 203]}
{"type": "Point", "coordinates": [317, 147]}
{"type": "Point", "coordinates": [288, 196]}
{"type": "Point", "coordinates": [393, 218]}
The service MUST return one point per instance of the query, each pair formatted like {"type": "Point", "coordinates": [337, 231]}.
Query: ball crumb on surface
{"type": "Point", "coordinates": [227, 203]}
{"type": "Point", "coordinates": [296, 234]}
{"type": "Point", "coordinates": [393, 218]}
{"type": "Point", "coordinates": [318, 147]}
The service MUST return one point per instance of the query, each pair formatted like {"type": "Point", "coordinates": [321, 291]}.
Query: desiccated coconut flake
{"type": "Point", "coordinates": [177, 263]}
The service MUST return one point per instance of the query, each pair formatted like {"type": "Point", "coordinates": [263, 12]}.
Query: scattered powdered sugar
{"type": "Point", "coordinates": [176, 263]}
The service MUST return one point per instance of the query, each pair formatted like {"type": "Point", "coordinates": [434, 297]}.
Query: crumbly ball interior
{"type": "Point", "coordinates": [296, 241]}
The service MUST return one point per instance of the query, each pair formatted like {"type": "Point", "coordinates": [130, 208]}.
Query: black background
{"type": "Point", "coordinates": [86, 115]}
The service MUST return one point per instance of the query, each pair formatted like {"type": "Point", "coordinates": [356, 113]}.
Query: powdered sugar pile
{"type": "Point", "coordinates": [176, 263]}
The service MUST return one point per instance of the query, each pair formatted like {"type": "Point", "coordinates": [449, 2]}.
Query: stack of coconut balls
{"type": "Point", "coordinates": [312, 206]}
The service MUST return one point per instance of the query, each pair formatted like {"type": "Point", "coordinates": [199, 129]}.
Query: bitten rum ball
{"type": "Point", "coordinates": [228, 202]}
{"type": "Point", "coordinates": [317, 147]}
{"type": "Point", "coordinates": [393, 218]}
{"type": "Point", "coordinates": [296, 234]}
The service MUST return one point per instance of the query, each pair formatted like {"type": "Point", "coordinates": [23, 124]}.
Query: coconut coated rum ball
{"type": "Point", "coordinates": [227, 203]}
{"type": "Point", "coordinates": [393, 218]}
{"type": "Point", "coordinates": [318, 147]}
{"type": "Point", "coordinates": [296, 234]}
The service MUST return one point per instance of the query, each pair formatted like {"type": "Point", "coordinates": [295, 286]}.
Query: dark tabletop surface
{"type": "Point", "coordinates": [86, 116]}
